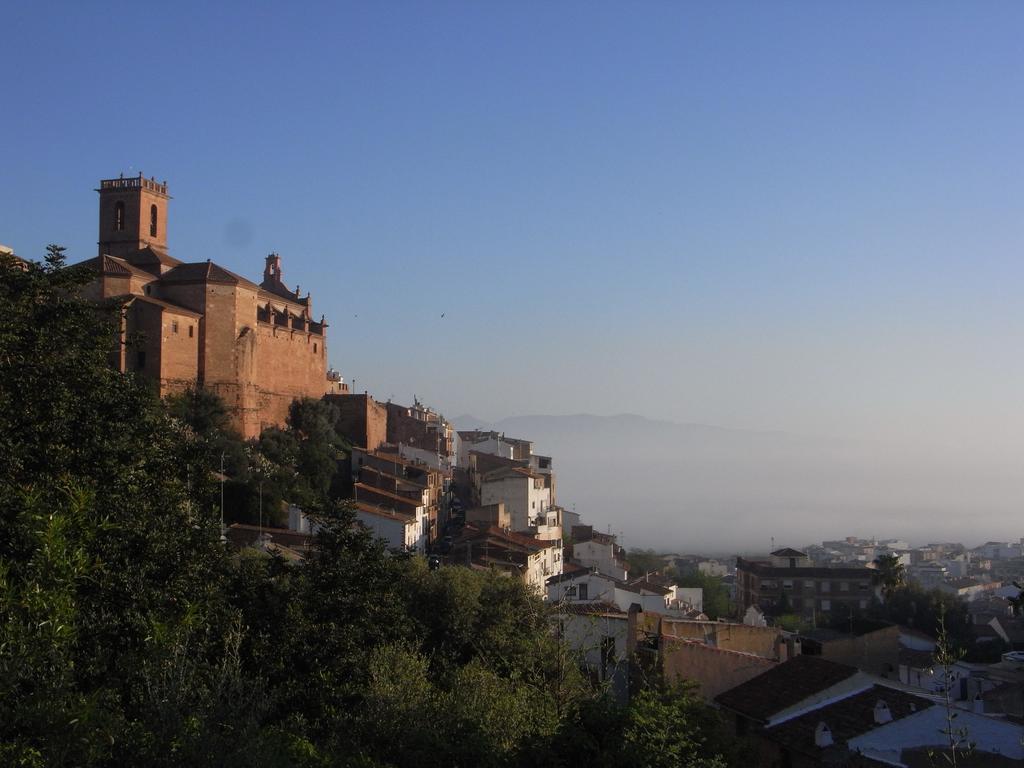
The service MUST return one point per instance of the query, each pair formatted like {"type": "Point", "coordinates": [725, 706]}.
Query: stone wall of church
{"type": "Point", "coordinates": [290, 364]}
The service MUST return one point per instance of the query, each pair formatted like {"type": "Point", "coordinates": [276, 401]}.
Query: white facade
{"type": "Point", "coordinates": [586, 586]}
{"type": "Point", "coordinates": [524, 496]}
{"type": "Point", "coordinates": [432, 459]}
{"type": "Point", "coordinates": [396, 530]}
{"type": "Point", "coordinates": [691, 597]}
{"type": "Point", "coordinates": [594, 554]}
{"type": "Point", "coordinates": [494, 446]}
{"type": "Point", "coordinates": [713, 568]}
{"type": "Point", "coordinates": [590, 587]}
{"type": "Point", "coordinates": [601, 641]}
{"type": "Point", "coordinates": [541, 566]}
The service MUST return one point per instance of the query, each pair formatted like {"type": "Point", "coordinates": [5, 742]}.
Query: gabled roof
{"type": "Point", "coordinates": [205, 272]}
{"type": "Point", "coordinates": [788, 552]}
{"type": "Point", "coordinates": [784, 686]}
{"type": "Point", "coordinates": [111, 265]}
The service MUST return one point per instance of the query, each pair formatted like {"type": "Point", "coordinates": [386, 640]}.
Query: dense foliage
{"type": "Point", "coordinates": [130, 636]}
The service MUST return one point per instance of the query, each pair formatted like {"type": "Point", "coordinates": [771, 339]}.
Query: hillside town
{"type": "Point", "coordinates": [821, 653]}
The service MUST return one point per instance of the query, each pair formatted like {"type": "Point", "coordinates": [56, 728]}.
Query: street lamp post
{"type": "Point", "coordinates": [223, 530]}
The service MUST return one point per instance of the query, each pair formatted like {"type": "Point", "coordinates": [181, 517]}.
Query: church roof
{"type": "Point", "coordinates": [177, 308]}
{"type": "Point", "coordinates": [111, 265]}
{"type": "Point", "coordinates": [205, 272]}
{"type": "Point", "coordinates": [152, 255]}
{"type": "Point", "coordinates": [280, 289]}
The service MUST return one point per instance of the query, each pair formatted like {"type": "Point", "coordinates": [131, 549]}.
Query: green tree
{"type": "Point", "coordinates": [669, 727]}
{"type": "Point", "coordinates": [642, 561]}
{"type": "Point", "coordinates": [890, 574]}
{"type": "Point", "coordinates": [716, 595]}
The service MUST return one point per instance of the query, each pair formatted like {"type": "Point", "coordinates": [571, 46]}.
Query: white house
{"type": "Point", "coordinates": [398, 530]}
{"type": "Point", "coordinates": [584, 586]}
{"type": "Point", "coordinates": [601, 552]}
{"type": "Point", "coordinates": [524, 493]}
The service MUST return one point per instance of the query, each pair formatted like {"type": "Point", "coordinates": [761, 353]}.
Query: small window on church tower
{"type": "Point", "coordinates": [191, 328]}
{"type": "Point", "coordinates": [174, 326]}
{"type": "Point", "coordinates": [152, 221]}
{"type": "Point", "coordinates": [119, 217]}
{"type": "Point", "coordinates": [314, 348]}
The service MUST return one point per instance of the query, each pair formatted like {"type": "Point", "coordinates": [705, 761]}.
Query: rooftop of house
{"type": "Point", "coordinates": [964, 582]}
{"type": "Point", "coordinates": [361, 487]}
{"type": "Point", "coordinates": [503, 473]}
{"type": "Point", "coordinates": [487, 462]}
{"type": "Point", "coordinates": [578, 572]}
{"type": "Point", "coordinates": [784, 686]}
{"type": "Point", "coordinates": [915, 659]}
{"type": "Point", "coordinates": [241, 534]}
{"type": "Point", "coordinates": [767, 569]}
{"type": "Point", "coordinates": [846, 718]}
{"type": "Point", "coordinates": [495, 535]}
{"type": "Point", "coordinates": [596, 608]}
{"type": "Point", "coordinates": [788, 552]}
{"type": "Point", "coordinates": [383, 511]}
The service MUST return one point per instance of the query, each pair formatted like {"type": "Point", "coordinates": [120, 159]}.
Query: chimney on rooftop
{"type": "Point", "coordinates": [822, 736]}
{"type": "Point", "coordinates": [882, 713]}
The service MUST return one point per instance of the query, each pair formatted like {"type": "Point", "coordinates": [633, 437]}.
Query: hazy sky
{"type": "Point", "coordinates": [796, 216]}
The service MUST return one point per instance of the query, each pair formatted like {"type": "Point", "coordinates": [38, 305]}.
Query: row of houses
{"type": "Point", "coordinates": [877, 697]}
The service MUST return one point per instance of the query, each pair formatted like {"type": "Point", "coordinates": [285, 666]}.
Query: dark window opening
{"type": "Point", "coordinates": [190, 330]}
{"type": "Point", "coordinates": [152, 221]}
{"type": "Point", "coordinates": [583, 592]}
{"type": "Point", "coordinates": [119, 217]}
{"type": "Point", "coordinates": [174, 326]}
{"type": "Point", "coordinates": [314, 348]}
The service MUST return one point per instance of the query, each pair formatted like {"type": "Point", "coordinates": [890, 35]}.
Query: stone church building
{"type": "Point", "coordinates": [197, 323]}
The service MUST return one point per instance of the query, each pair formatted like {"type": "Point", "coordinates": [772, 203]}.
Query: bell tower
{"type": "Point", "coordinates": [133, 215]}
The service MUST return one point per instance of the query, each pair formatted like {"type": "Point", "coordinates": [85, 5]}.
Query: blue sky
{"type": "Point", "coordinates": [797, 216]}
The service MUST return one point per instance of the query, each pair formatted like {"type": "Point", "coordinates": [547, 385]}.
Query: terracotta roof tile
{"type": "Point", "coordinates": [205, 272]}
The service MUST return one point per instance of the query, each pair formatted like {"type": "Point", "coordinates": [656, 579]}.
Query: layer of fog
{"type": "Point", "coordinates": [686, 487]}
